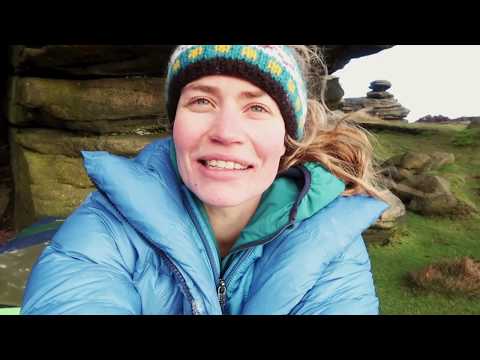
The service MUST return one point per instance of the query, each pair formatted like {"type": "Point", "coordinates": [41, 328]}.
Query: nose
{"type": "Point", "coordinates": [226, 128]}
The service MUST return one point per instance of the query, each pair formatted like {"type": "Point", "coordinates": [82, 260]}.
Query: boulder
{"type": "Point", "coordinates": [380, 85]}
{"type": "Point", "coordinates": [405, 192]}
{"type": "Point", "coordinates": [4, 200]}
{"type": "Point", "coordinates": [334, 93]}
{"type": "Point", "coordinates": [46, 185]}
{"type": "Point", "coordinates": [395, 211]}
{"type": "Point", "coordinates": [48, 171]}
{"type": "Point", "coordinates": [439, 159]}
{"type": "Point", "coordinates": [379, 95]}
{"type": "Point", "coordinates": [385, 228]}
{"type": "Point", "coordinates": [404, 174]}
{"type": "Point", "coordinates": [415, 161]}
{"type": "Point", "coordinates": [432, 196]}
{"type": "Point", "coordinates": [427, 183]}
{"type": "Point", "coordinates": [70, 144]}
{"type": "Point", "coordinates": [434, 204]}
{"type": "Point", "coordinates": [117, 104]}
{"type": "Point", "coordinates": [90, 60]}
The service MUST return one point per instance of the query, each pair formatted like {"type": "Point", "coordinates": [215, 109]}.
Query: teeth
{"type": "Point", "coordinates": [225, 165]}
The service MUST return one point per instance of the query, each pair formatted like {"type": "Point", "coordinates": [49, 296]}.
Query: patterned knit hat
{"type": "Point", "coordinates": [272, 68]}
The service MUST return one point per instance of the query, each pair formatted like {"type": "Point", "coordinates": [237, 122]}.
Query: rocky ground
{"type": "Point", "coordinates": [425, 241]}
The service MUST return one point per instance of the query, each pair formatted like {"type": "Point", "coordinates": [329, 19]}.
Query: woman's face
{"type": "Point", "coordinates": [229, 138]}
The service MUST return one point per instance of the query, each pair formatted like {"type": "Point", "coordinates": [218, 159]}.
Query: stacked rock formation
{"type": "Point", "coordinates": [378, 102]}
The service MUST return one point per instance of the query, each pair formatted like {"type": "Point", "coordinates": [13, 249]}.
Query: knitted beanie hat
{"type": "Point", "coordinates": [272, 68]}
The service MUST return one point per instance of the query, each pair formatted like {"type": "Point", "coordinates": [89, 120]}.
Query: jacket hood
{"type": "Point", "coordinates": [145, 191]}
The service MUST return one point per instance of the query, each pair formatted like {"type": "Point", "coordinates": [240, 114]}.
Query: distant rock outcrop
{"type": "Point", "coordinates": [441, 119]}
{"type": "Point", "coordinates": [436, 119]}
{"type": "Point", "coordinates": [474, 123]}
{"type": "Point", "coordinates": [378, 102]}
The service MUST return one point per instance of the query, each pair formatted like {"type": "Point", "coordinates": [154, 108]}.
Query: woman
{"type": "Point", "coordinates": [254, 206]}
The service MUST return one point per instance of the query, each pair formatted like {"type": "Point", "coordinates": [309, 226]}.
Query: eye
{"type": "Point", "coordinates": [200, 101]}
{"type": "Point", "coordinates": [259, 108]}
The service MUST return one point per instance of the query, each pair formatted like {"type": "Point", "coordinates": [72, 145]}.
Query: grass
{"type": "Point", "coordinates": [466, 137]}
{"type": "Point", "coordinates": [426, 240]}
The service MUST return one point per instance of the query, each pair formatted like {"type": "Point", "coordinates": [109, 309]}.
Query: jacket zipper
{"type": "Point", "coordinates": [221, 287]}
{"type": "Point", "coordinates": [225, 280]}
{"type": "Point", "coordinates": [222, 294]}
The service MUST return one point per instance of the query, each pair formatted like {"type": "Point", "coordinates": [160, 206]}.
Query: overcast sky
{"type": "Point", "coordinates": [426, 79]}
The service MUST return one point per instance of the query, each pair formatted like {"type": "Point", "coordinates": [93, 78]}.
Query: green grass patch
{"type": "Point", "coordinates": [426, 240]}
{"type": "Point", "coordinates": [467, 137]}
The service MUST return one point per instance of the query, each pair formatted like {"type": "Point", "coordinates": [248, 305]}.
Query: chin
{"type": "Point", "coordinates": [219, 200]}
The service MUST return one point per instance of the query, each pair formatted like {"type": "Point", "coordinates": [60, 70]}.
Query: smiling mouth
{"type": "Point", "coordinates": [224, 165]}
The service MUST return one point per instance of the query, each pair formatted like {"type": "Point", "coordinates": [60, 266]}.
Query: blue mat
{"type": "Point", "coordinates": [37, 233]}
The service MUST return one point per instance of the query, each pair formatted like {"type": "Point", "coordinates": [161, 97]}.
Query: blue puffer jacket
{"type": "Point", "coordinates": [142, 244]}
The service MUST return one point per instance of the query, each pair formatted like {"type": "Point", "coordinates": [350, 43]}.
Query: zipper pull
{"type": "Point", "coordinates": [222, 293]}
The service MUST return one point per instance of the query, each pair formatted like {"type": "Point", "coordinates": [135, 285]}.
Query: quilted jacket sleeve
{"type": "Point", "coordinates": [345, 287]}
{"type": "Point", "coordinates": [85, 270]}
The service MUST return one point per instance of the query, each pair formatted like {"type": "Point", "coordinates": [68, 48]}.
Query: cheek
{"type": "Point", "coordinates": [270, 144]}
{"type": "Point", "coordinates": [183, 134]}
{"type": "Point", "coordinates": [186, 139]}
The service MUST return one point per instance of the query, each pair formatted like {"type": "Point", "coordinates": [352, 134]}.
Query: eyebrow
{"type": "Point", "coordinates": [215, 91]}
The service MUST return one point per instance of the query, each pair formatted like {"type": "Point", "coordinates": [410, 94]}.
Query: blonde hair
{"type": "Point", "coordinates": [339, 145]}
